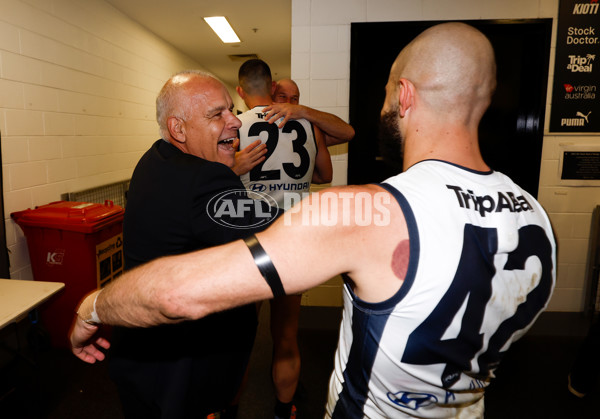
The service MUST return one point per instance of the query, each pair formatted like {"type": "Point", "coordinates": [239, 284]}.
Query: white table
{"type": "Point", "coordinates": [18, 298]}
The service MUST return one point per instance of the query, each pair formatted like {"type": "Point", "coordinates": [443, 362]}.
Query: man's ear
{"type": "Point", "coordinates": [176, 129]}
{"type": "Point", "coordinates": [406, 93]}
{"type": "Point", "coordinates": [273, 88]}
{"type": "Point", "coordinates": [240, 91]}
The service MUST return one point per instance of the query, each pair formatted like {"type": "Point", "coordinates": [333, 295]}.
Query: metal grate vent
{"type": "Point", "coordinates": [242, 57]}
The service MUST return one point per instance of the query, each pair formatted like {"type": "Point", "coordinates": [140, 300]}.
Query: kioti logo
{"type": "Point", "coordinates": [590, 8]}
{"type": "Point", "coordinates": [235, 209]}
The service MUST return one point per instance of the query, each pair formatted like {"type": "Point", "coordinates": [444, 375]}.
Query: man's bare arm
{"type": "Point", "coordinates": [323, 172]}
{"type": "Point", "coordinates": [313, 241]}
{"type": "Point", "coordinates": [168, 290]}
{"type": "Point", "coordinates": [304, 245]}
{"type": "Point", "coordinates": [335, 129]}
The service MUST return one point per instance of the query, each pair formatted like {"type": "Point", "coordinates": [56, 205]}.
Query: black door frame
{"type": "Point", "coordinates": [511, 132]}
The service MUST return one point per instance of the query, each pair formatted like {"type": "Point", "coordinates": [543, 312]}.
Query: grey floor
{"type": "Point", "coordinates": [530, 383]}
{"type": "Point", "coordinates": [64, 387]}
{"type": "Point", "coordinates": [317, 338]}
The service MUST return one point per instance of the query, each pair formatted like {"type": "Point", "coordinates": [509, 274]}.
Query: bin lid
{"type": "Point", "coordinates": [82, 217]}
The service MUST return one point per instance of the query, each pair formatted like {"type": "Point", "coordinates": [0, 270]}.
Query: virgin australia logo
{"type": "Point", "coordinates": [235, 209]}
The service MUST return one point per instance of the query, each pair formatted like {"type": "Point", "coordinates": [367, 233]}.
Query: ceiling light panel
{"type": "Point", "coordinates": [223, 29]}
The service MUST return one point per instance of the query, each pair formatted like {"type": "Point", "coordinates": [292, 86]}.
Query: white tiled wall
{"type": "Point", "coordinates": [78, 81]}
{"type": "Point", "coordinates": [320, 63]}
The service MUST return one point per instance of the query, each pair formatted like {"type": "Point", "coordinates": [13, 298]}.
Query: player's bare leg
{"type": "Point", "coordinates": [285, 312]}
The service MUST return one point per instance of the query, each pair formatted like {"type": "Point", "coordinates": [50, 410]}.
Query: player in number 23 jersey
{"type": "Point", "coordinates": [290, 158]}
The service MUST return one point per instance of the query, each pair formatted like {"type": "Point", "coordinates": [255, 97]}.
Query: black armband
{"type": "Point", "coordinates": [265, 265]}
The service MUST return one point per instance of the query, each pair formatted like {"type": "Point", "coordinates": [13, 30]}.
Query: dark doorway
{"type": "Point", "coordinates": [511, 131]}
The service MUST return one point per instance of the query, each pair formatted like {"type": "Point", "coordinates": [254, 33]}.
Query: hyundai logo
{"type": "Point", "coordinates": [258, 187]}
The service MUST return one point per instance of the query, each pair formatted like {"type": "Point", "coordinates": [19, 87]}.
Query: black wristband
{"type": "Point", "coordinates": [265, 265]}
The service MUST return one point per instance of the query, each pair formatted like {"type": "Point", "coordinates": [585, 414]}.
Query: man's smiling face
{"type": "Point", "coordinates": [209, 125]}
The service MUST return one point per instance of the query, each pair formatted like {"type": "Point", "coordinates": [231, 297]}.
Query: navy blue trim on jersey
{"type": "Point", "coordinates": [414, 243]}
{"type": "Point", "coordinates": [367, 329]}
{"type": "Point", "coordinates": [477, 172]}
{"type": "Point", "coordinates": [368, 323]}
{"type": "Point", "coordinates": [413, 262]}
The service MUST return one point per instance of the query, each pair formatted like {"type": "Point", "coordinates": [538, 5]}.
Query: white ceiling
{"type": "Point", "coordinates": [263, 26]}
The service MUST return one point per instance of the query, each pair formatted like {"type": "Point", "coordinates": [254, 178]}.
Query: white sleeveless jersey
{"type": "Point", "coordinates": [482, 267]}
{"type": "Point", "coordinates": [290, 158]}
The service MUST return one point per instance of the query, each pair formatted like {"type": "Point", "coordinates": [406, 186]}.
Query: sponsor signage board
{"type": "Point", "coordinates": [581, 165]}
{"type": "Point", "coordinates": [575, 95]}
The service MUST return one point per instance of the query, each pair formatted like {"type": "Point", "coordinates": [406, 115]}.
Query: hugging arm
{"type": "Point", "coordinates": [335, 130]}
{"type": "Point", "coordinates": [305, 252]}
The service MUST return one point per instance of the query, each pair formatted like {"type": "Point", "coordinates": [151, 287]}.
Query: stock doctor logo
{"type": "Point", "coordinates": [581, 36]}
{"type": "Point", "coordinates": [590, 8]}
{"type": "Point", "coordinates": [234, 208]}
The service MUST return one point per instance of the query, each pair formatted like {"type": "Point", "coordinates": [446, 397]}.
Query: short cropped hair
{"type": "Point", "coordinates": [254, 77]}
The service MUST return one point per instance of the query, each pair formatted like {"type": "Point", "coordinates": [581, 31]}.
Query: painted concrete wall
{"type": "Point", "coordinates": [78, 82]}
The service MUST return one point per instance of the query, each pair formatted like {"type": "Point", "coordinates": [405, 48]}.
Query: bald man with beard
{"type": "Point", "coordinates": [456, 264]}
